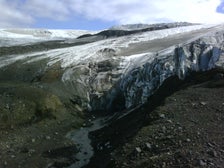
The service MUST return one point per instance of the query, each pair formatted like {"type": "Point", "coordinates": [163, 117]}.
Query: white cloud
{"type": "Point", "coordinates": [116, 10]}
{"type": "Point", "coordinates": [12, 16]}
{"type": "Point", "coordinates": [203, 11]}
{"type": "Point", "coordinates": [26, 12]}
{"type": "Point", "coordinates": [52, 9]}
{"type": "Point", "coordinates": [133, 11]}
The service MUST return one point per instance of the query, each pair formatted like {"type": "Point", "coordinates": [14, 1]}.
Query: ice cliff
{"type": "Point", "coordinates": [111, 74]}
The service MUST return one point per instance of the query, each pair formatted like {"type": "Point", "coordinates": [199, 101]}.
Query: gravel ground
{"type": "Point", "coordinates": [187, 130]}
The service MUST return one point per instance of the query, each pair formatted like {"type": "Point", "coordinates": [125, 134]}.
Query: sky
{"type": "Point", "coordinates": [102, 14]}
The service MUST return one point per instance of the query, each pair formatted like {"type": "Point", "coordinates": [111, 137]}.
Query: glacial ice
{"type": "Point", "coordinates": [137, 76]}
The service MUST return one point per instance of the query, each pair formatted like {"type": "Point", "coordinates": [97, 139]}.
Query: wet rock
{"type": "Point", "coordinates": [203, 103]}
{"type": "Point", "coordinates": [162, 116]}
{"type": "Point", "coordinates": [210, 145]}
{"type": "Point", "coordinates": [148, 146]}
{"type": "Point", "coordinates": [138, 150]}
{"type": "Point", "coordinates": [188, 140]}
{"type": "Point", "coordinates": [164, 129]}
{"type": "Point", "coordinates": [180, 128]}
{"type": "Point", "coordinates": [180, 142]}
{"type": "Point", "coordinates": [202, 163]}
{"type": "Point", "coordinates": [107, 145]}
{"type": "Point", "coordinates": [169, 137]}
{"type": "Point", "coordinates": [194, 104]}
{"type": "Point", "coordinates": [50, 165]}
{"type": "Point", "coordinates": [170, 121]}
{"type": "Point", "coordinates": [48, 137]}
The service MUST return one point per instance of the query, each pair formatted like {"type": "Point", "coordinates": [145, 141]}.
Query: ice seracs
{"type": "Point", "coordinates": [130, 67]}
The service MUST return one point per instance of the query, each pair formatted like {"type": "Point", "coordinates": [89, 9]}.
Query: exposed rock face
{"type": "Point", "coordinates": [125, 30]}
{"type": "Point", "coordinates": [144, 26]}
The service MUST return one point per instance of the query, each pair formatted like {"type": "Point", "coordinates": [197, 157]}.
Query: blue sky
{"type": "Point", "coordinates": [101, 14]}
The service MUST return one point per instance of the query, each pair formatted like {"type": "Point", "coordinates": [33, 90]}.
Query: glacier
{"type": "Point", "coordinates": [98, 72]}
{"type": "Point", "coordinates": [112, 75]}
{"type": "Point", "coordinates": [13, 37]}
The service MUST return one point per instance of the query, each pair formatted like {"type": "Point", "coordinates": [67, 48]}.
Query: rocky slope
{"type": "Point", "coordinates": [67, 81]}
{"type": "Point", "coordinates": [186, 130]}
{"type": "Point", "coordinates": [153, 26]}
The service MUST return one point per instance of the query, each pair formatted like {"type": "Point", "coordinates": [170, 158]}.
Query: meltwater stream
{"type": "Point", "coordinates": [81, 138]}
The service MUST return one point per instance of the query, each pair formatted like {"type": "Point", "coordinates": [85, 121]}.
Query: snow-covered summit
{"type": "Point", "coordinates": [42, 33]}
{"type": "Point", "coordinates": [10, 37]}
